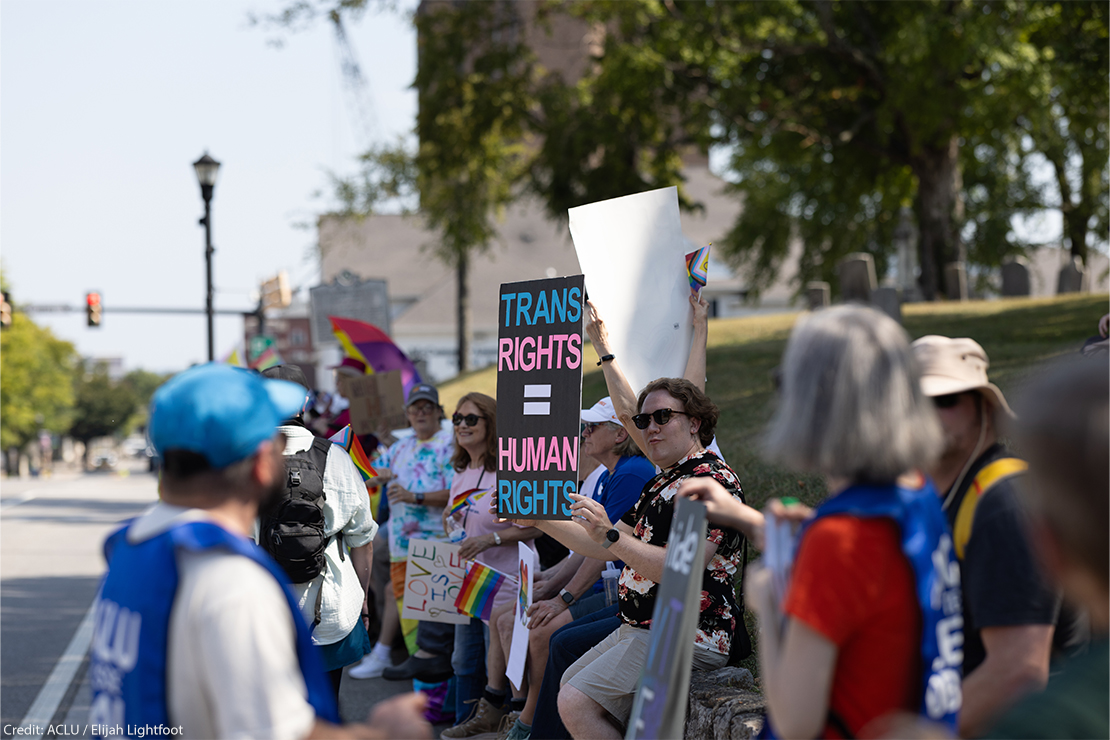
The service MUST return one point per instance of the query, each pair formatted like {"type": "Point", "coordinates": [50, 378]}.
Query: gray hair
{"type": "Point", "coordinates": [851, 402]}
{"type": "Point", "coordinates": [627, 447]}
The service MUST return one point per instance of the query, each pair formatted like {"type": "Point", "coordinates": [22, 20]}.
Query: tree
{"type": "Point", "coordinates": [835, 115]}
{"type": "Point", "coordinates": [102, 406]}
{"type": "Point", "coordinates": [37, 389]}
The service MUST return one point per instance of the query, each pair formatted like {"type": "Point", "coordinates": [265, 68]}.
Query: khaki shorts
{"type": "Point", "coordinates": [609, 672]}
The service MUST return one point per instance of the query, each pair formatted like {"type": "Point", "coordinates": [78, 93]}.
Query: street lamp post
{"type": "Point", "coordinates": [207, 169]}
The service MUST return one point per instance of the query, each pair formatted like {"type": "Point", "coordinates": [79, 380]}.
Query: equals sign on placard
{"type": "Point", "coordinates": [537, 408]}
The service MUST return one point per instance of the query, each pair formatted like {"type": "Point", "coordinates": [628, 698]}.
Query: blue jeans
{"type": "Point", "coordinates": [469, 662]}
{"type": "Point", "coordinates": [569, 643]}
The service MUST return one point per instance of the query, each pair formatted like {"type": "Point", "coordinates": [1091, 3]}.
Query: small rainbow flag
{"type": "Point", "coordinates": [346, 439]}
{"type": "Point", "coordinates": [467, 497]}
{"type": "Point", "coordinates": [479, 587]}
{"type": "Point", "coordinates": [697, 267]}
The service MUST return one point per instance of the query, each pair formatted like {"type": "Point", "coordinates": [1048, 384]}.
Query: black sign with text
{"type": "Point", "coordinates": [539, 396]}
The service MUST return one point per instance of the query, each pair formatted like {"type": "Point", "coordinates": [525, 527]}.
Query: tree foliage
{"type": "Point", "coordinates": [37, 388]}
{"type": "Point", "coordinates": [834, 116]}
{"type": "Point", "coordinates": [102, 406]}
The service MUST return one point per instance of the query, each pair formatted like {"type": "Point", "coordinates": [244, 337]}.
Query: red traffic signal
{"type": "Point", "coordinates": [92, 309]}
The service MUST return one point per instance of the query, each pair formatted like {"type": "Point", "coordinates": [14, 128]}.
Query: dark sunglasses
{"type": "Point", "coordinates": [661, 416]}
{"type": "Point", "coordinates": [947, 401]}
{"type": "Point", "coordinates": [590, 426]}
{"type": "Point", "coordinates": [470, 419]}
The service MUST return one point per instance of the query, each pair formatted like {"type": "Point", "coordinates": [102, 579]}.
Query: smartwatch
{"type": "Point", "coordinates": [611, 536]}
{"type": "Point", "coordinates": [566, 596]}
{"type": "Point", "coordinates": [497, 539]}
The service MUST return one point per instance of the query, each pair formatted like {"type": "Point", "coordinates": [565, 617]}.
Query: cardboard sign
{"type": "Point", "coordinates": [539, 397]}
{"type": "Point", "coordinates": [376, 400]}
{"type": "Point", "coordinates": [659, 709]}
{"type": "Point", "coordinates": [518, 648]}
{"type": "Point", "coordinates": [633, 254]}
{"type": "Point", "coordinates": [434, 574]}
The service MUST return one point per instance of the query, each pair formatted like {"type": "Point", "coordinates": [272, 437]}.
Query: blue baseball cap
{"type": "Point", "coordinates": [221, 412]}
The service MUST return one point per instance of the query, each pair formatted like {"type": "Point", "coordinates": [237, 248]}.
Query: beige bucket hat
{"type": "Point", "coordinates": [954, 366]}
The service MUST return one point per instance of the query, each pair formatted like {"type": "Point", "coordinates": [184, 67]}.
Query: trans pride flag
{"type": "Point", "coordinates": [479, 587]}
{"type": "Point", "coordinates": [373, 346]}
{"type": "Point", "coordinates": [697, 267]}
{"type": "Point", "coordinates": [346, 439]}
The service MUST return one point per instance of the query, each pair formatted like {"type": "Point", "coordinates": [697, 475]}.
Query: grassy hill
{"type": "Point", "coordinates": [1017, 334]}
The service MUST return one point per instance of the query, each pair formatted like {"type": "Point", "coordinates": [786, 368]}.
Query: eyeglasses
{"type": "Point", "coordinates": [422, 408]}
{"type": "Point", "coordinates": [588, 427]}
{"type": "Point", "coordinates": [661, 416]}
{"type": "Point", "coordinates": [470, 419]}
{"type": "Point", "coordinates": [947, 401]}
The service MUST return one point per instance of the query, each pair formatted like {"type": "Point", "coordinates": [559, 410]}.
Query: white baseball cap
{"type": "Point", "coordinates": [601, 411]}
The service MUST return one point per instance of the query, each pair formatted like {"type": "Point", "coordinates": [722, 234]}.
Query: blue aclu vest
{"type": "Point", "coordinates": [131, 634]}
{"type": "Point", "coordinates": [927, 544]}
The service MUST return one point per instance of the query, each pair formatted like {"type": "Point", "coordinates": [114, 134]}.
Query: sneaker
{"type": "Point", "coordinates": [503, 729]}
{"type": "Point", "coordinates": [485, 719]}
{"type": "Point", "coordinates": [371, 666]}
{"type": "Point", "coordinates": [517, 732]}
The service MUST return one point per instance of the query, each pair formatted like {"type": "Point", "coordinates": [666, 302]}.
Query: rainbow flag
{"type": "Point", "coordinates": [467, 497]}
{"type": "Point", "coordinates": [480, 585]}
{"type": "Point", "coordinates": [263, 353]}
{"type": "Point", "coordinates": [347, 439]}
{"type": "Point", "coordinates": [373, 346]}
{"type": "Point", "coordinates": [697, 268]}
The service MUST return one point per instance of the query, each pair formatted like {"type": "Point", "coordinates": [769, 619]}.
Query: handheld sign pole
{"type": "Point", "coordinates": [539, 397]}
{"type": "Point", "coordinates": [659, 709]}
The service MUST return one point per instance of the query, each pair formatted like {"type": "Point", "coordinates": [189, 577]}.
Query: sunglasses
{"type": "Point", "coordinates": [588, 427]}
{"type": "Point", "coordinates": [947, 401]}
{"type": "Point", "coordinates": [661, 416]}
{"type": "Point", "coordinates": [470, 419]}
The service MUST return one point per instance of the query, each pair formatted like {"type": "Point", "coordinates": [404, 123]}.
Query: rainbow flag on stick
{"type": "Point", "coordinates": [479, 587]}
{"type": "Point", "coordinates": [348, 440]}
{"type": "Point", "coordinates": [697, 267]}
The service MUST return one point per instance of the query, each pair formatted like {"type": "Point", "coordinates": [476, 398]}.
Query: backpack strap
{"type": "Point", "coordinates": [1000, 469]}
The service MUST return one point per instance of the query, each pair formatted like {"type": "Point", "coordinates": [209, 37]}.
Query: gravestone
{"type": "Point", "coordinates": [955, 281]}
{"type": "Point", "coordinates": [818, 295]}
{"type": "Point", "coordinates": [857, 277]}
{"type": "Point", "coordinates": [1015, 277]}
{"type": "Point", "coordinates": [889, 301]}
{"type": "Point", "coordinates": [1073, 277]}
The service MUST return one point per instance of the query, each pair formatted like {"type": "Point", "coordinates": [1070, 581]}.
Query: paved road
{"type": "Point", "coordinates": [50, 566]}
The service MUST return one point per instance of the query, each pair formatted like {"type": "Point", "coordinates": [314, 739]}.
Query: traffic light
{"type": "Point", "coordinates": [5, 311]}
{"type": "Point", "coordinates": [92, 308]}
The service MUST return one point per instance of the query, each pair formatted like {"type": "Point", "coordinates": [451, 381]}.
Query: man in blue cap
{"type": "Point", "coordinates": [197, 633]}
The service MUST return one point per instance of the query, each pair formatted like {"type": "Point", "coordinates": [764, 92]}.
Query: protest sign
{"type": "Point", "coordinates": [377, 401]}
{"type": "Point", "coordinates": [539, 397]}
{"type": "Point", "coordinates": [518, 649]}
{"type": "Point", "coordinates": [659, 709]}
{"type": "Point", "coordinates": [434, 574]}
{"type": "Point", "coordinates": [633, 254]}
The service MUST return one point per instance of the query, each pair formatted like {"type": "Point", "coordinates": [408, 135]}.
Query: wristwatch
{"type": "Point", "coordinates": [418, 498]}
{"type": "Point", "coordinates": [566, 596]}
{"type": "Point", "coordinates": [611, 536]}
{"type": "Point", "coordinates": [497, 539]}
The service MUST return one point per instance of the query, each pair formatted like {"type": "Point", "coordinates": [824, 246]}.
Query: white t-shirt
{"type": "Point", "coordinates": [346, 509]}
{"type": "Point", "coordinates": [232, 668]}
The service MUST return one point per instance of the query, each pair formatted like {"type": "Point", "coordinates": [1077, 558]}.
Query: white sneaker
{"type": "Point", "coordinates": [371, 666]}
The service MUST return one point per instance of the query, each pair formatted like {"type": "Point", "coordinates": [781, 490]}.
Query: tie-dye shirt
{"type": "Point", "coordinates": [421, 467]}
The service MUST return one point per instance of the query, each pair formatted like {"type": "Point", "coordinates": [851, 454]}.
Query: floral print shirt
{"type": "Point", "coordinates": [651, 519]}
{"type": "Point", "coordinates": [421, 467]}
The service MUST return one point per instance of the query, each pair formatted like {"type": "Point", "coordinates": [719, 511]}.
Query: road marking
{"type": "Point", "coordinates": [54, 690]}
{"type": "Point", "coordinates": [27, 496]}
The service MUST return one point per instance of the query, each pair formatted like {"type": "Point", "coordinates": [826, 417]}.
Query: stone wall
{"type": "Point", "coordinates": [723, 705]}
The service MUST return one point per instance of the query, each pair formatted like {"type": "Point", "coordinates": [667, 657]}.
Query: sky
{"type": "Point", "coordinates": [105, 105]}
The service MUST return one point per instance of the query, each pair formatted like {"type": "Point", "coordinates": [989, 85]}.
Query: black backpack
{"type": "Point", "coordinates": [291, 528]}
